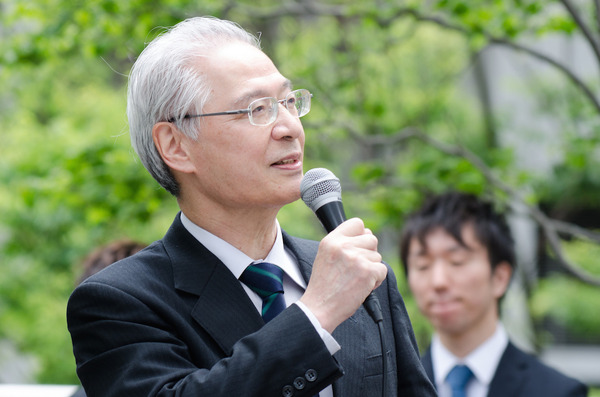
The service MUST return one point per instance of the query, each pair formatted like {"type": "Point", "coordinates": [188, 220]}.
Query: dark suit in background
{"type": "Point", "coordinates": [459, 256]}
{"type": "Point", "coordinates": [522, 375]}
{"type": "Point", "coordinates": [175, 311]}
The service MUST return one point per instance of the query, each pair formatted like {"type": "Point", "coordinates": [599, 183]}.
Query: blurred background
{"type": "Point", "coordinates": [499, 98]}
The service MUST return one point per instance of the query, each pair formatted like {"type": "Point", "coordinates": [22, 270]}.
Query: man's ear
{"type": "Point", "coordinates": [501, 278]}
{"type": "Point", "coordinates": [172, 146]}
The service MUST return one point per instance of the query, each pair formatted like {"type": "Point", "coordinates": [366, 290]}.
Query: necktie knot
{"type": "Point", "coordinates": [266, 279]}
{"type": "Point", "coordinates": [458, 378]}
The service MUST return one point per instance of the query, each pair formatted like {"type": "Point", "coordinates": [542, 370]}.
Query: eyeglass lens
{"type": "Point", "coordinates": [264, 111]}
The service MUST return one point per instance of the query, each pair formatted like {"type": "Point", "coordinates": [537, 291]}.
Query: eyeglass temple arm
{"type": "Point", "coordinates": [240, 111]}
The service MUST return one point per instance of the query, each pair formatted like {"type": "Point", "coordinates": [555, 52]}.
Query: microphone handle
{"type": "Point", "coordinates": [331, 215]}
{"type": "Point", "coordinates": [373, 307]}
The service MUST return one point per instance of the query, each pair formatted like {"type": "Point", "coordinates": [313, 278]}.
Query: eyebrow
{"type": "Point", "coordinates": [424, 251]}
{"type": "Point", "coordinates": [244, 100]}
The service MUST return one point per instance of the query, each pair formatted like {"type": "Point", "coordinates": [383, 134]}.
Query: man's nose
{"type": "Point", "coordinates": [287, 125]}
{"type": "Point", "coordinates": [440, 274]}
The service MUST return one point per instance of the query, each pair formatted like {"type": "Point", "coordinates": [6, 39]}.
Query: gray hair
{"type": "Point", "coordinates": [164, 85]}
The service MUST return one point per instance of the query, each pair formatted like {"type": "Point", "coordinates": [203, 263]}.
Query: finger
{"type": "Point", "coordinates": [382, 271]}
{"type": "Point", "coordinates": [366, 241]}
{"type": "Point", "coordinates": [351, 227]}
{"type": "Point", "coordinates": [373, 256]}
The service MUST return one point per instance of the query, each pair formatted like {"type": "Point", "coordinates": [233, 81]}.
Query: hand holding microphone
{"type": "Point", "coordinates": [347, 267]}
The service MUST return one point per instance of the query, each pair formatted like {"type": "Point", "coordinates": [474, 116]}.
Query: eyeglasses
{"type": "Point", "coordinates": [264, 111]}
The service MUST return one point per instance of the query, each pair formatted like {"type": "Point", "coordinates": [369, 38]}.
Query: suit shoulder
{"type": "Point", "coordinates": [551, 376]}
{"type": "Point", "coordinates": [541, 377]}
{"type": "Point", "coordinates": [147, 263]}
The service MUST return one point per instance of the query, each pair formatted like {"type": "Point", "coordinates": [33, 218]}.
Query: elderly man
{"type": "Point", "coordinates": [217, 125]}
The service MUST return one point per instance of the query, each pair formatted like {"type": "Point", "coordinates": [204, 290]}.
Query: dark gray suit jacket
{"type": "Point", "coordinates": [522, 375]}
{"type": "Point", "coordinates": [173, 320]}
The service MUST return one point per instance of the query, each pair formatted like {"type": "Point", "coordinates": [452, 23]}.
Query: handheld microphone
{"type": "Point", "coordinates": [321, 191]}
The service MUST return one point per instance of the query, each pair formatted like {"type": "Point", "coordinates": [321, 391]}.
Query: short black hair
{"type": "Point", "coordinates": [451, 211]}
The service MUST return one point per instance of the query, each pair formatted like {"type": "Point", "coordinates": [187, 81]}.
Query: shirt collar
{"type": "Point", "coordinates": [236, 261]}
{"type": "Point", "coordinates": [483, 361]}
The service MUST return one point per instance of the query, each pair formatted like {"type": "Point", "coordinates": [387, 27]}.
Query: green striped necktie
{"type": "Point", "coordinates": [266, 279]}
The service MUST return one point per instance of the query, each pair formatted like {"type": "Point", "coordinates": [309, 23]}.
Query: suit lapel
{"type": "Point", "coordinates": [510, 374]}
{"type": "Point", "coordinates": [222, 302]}
{"type": "Point", "coordinates": [428, 365]}
{"type": "Point", "coordinates": [304, 251]}
{"type": "Point", "coordinates": [224, 305]}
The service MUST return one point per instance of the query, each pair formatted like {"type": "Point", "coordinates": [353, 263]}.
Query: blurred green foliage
{"type": "Point", "coordinates": [566, 301]}
{"type": "Point", "coordinates": [69, 180]}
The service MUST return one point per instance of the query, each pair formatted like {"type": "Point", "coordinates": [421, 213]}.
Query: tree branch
{"type": "Point", "coordinates": [315, 8]}
{"type": "Point", "coordinates": [550, 227]}
{"type": "Point", "coordinates": [597, 6]}
{"type": "Point", "coordinates": [576, 80]}
{"type": "Point", "coordinates": [584, 28]}
{"type": "Point", "coordinates": [574, 230]}
{"type": "Point", "coordinates": [294, 8]}
{"type": "Point", "coordinates": [503, 41]}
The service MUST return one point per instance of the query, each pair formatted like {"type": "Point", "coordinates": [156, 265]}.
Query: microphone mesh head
{"type": "Point", "coordinates": [318, 187]}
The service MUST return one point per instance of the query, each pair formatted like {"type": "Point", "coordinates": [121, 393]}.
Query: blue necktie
{"type": "Point", "coordinates": [266, 279]}
{"type": "Point", "coordinates": [458, 378]}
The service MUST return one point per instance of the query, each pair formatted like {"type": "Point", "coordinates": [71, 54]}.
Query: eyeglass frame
{"type": "Point", "coordinates": [248, 110]}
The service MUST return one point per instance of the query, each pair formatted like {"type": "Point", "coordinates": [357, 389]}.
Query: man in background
{"type": "Point", "coordinates": [458, 255]}
{"type": "Point", "coordinates": [106, 255]}
{"type": "Point", "coordinates": [102, 257]}
{"type": "Point", "coordinates": [227, 303]}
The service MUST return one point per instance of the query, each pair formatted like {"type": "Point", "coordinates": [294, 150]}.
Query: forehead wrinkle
{"type": "Point", "coordinates": [245, 99]}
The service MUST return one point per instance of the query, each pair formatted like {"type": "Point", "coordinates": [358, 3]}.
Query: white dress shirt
{"type": "Point", "coordinates": [482, 361]}
{"type": "Point", "coordinates": [293, 282]}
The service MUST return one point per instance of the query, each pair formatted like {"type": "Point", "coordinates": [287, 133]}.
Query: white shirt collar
{"type": "Point", "coordinates": [483, 361]}
{"type": "Point", "coordinates": [236, 261]}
